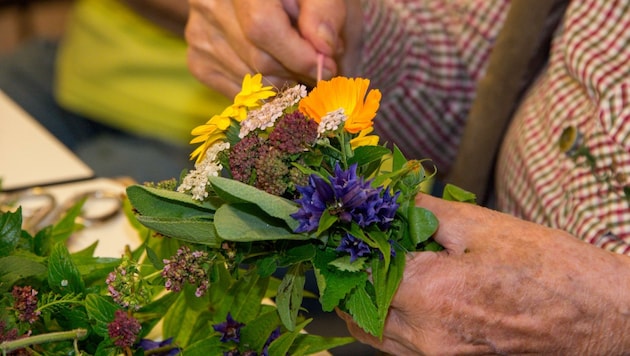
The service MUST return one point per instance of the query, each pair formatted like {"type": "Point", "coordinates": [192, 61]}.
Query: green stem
{"type": "Point", "coordinates": [8, 346]}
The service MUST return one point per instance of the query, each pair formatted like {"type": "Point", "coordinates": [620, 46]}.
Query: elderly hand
{"type": "Point", "coordinates": [506, 286]}
{"type": "Point", "coordinates": [279, 38]}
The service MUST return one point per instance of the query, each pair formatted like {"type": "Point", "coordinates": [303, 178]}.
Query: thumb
{"type": "Point", "coordinates": [321, 23]}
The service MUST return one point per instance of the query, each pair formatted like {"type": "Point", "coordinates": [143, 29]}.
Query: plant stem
{"type": "Point", "coordinates": [8, 346]}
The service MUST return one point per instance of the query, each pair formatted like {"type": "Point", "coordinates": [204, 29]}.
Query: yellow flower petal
{"type": "Point", "coordinates": [252, 96]}
{"type": "Point", "coordinates": [363, 139]}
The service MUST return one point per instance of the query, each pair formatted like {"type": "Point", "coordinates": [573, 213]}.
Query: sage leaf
{"type": "Point", "coordinates": [290, 294]}
{"type": "Point", "coordinates": [237, 192]}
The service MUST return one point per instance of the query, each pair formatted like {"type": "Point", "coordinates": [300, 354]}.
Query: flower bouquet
{"type": "Point", "coordinates": [295, 180]}
{"type": "Point", "coordinates": [284, 183]}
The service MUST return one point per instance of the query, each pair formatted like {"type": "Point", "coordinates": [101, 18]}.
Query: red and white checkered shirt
{"type": "Point", "coordinates": [426, 56]}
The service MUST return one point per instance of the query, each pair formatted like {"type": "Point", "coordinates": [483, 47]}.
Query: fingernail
{"type": "Point", "coordinates": [328, 35]}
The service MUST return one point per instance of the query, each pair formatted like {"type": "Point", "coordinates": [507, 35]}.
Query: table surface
{"type": "Point", "coordinates": [30, 155]}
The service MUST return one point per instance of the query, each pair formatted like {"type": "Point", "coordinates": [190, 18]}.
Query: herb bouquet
{"type": "Point", "coordinates": [284, 181]}
{"type": "Point", "coordinates": [297, 181]}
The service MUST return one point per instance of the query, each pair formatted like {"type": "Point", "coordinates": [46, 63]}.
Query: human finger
{"type": "Point", "coordinates": [271, 30]}
{"type": "Point", "coordinates": [390, 346]}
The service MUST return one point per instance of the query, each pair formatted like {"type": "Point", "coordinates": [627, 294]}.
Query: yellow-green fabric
{"type": "Point", "coordinates": [121, 70]}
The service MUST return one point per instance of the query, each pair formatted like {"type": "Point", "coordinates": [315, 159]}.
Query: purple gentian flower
{"type": "Point", "coordinates": [274, 335]}
{"type": "Point", "coordinates": [147, 345]}
{"type": "Point", "coordinates": [348, 197]}
{"type": "Point", "coordinates": [354, 246]}
{"type": "Point", "coordinates": [230, 329]}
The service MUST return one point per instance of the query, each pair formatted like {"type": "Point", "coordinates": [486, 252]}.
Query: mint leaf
{"type": "Point", "coordinates": [344, 264]}
{"type": "Point", "coordinates": [63, 274]}
{"type": "Point", "coordinates": [10, 231]}
{"type": "Point", "coordinates": [334, 284]}
{"type": "Point", "coordinates": [101, 311]}
{"type": "Point", "coordinates": [15, 268]}
{"type": "Point", "coordinates": [364, 312]}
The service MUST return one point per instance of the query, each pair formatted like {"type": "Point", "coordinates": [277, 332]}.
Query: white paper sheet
{"type": "Point", "coordinates": [30, 155]}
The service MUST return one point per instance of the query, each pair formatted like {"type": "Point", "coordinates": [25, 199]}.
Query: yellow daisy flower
{"type": "Point", "coordinates": [252, 96]}
{"type": "Point", "coordinates": [207, 134]}
{"type": "Point", "coordinates": [346, 93]}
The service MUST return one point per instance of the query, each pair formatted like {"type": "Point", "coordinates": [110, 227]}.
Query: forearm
{"type": "Point", "coordinates": [168, 14]}
{"type": "Point", "coordinates": [611, 328]}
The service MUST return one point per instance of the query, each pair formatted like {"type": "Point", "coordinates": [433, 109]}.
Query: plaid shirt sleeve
{"type": "Point", "coordinates": [425, 56]}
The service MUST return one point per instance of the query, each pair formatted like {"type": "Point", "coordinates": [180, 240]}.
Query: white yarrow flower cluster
{"type": "Point", "coordinates": [331, 121]}
{"type": "Point", "coordinates": [197, 179]}
{"type": "Point", "coordinates": [269, 112]}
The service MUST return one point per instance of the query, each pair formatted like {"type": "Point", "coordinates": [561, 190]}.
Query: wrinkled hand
{"type": "Point", "coordinates": [279, 38]}
{"type": "Point", "coordinates": [506, 286]}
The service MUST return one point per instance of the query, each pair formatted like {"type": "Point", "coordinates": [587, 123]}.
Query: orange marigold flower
{"type": "Point", "coordinates": [346, 93]}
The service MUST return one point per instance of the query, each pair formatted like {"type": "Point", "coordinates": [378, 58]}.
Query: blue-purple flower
{"type": "Point", "coordinates": [348, 197]}
{"type": "Point", "coordinates": [147, 344]}
{"type": "Point", "coordinates": [354, 246]}
{"type": "Point", "coordinates": [274, 335]}
{"type": "Point", "coordinates": [230, 329]}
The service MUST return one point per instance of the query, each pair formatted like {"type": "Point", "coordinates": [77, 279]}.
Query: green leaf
{"type": "Point", "coordinates": [210, 346]}
{"type": "Point", "coordinates": [386, 279]}
{"type": "Point", "coordinates": [246, 222]}
{"type": "Point", "coordinates": [63, 274]}
{"type": "Point", "coordinates": [290, 294]}
{"type": "Point", "coordinates": [10, 231]}
{"type": "Point", "coordinates": [167, 203]}
{"type": "Point", "coordinates": [312, 344]}
{"type": "Point", "coordinates": [364, 312]}
{"type": "Point", "coordinates": [66, 226]}
{"type": "Point", "coordinates": [237, 192]}
{"type": "Point", "coordinates": [399, 159]}
{"type": "Point", "coordinates": [334, 284]}
{"type": "Point", "coordinates": [257, 331]}
{"type": "Point", "coordinates": [325, 222]}
{"type": "Point", "coordinates": [455, 193]}
{"type": "Point", "coordinates": [300, 253]}
{"type": "Point", "coordinates": [422, 224]}
{"type": "Point", "coordinates": [344, 264]}
{"type": "Point", "coordinates": [266, 266]}
{"type": "Point", "coordinates": [180, 320]}
{"type": "Point", "coordinates": [282, 345]}
{"type": "Point", "coordinates": [16, 268]}
{"type": "Point", "coordinates": [195, 230]}
{"type": "Point", "coordinates": [101, 310]}
{"type": "Point", "coordinates": [246, 296]}
{"type": "Point", "coordinates": [364, 155]}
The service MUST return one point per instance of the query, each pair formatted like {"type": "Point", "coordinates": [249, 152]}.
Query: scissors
{"type": "Point", "coordinates": [40, 208]}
